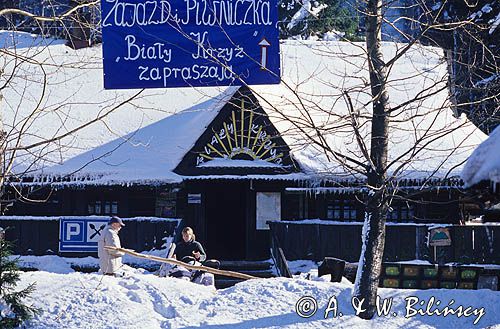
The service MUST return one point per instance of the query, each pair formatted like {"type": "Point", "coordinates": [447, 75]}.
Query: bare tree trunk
{"type": "Point", "coordinates": [2, 156]}
{"type": "Point", "coordinates": [370, 262]}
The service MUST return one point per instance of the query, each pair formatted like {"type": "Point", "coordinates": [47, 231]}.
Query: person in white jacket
{"type": "Point", "coordinates": [110, 260]}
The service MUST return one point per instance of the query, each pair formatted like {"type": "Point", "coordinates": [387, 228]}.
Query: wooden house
{"type": "Point", "coordinates": [227, 160]}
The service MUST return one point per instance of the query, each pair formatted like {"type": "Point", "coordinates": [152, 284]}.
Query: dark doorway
{"type": "Point", "coordinates": [226, 220]}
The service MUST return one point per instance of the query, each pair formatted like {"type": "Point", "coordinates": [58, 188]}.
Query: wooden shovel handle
{"type": "Point", "coordinates": [177, 262]}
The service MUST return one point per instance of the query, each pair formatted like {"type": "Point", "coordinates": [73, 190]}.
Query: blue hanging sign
{"type": "Point", "coordinates": [184, 43]}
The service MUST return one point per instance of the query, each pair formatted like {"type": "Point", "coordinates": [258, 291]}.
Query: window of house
{"type": "Point", "coordinates": [329, 212]}
{"type": "Point", "coordinates": [98, 207]}
{"type": "Point", "coordinates": [297, 205]}
{"type": "Point", "coordinates": [90, 209]}
{"type": "Point", "coordinates": [393, 213]}
{"type": "Point", "coordinates": [407, 213]}
{"type": "Point", "coordinates": [166, 203]}
{"type": "Point", "coordinates": [400, 213]}
{"type": "Point", "coordinates": [350, 211]}
{"type": "Point", "coordinates": [114, 207]}
{"type": "Point", "coordinates": [107, 207]}
{"type": "Point", "coordinates": [341, 210]}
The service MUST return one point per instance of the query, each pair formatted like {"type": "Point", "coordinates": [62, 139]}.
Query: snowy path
{"type": "Point", "coordinates": [78, 300]}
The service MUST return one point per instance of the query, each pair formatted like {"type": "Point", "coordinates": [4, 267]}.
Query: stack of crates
{"type": "Point", "coordinates": [430, 277]}
{"type": "Point", "coordinates": [391, 275]}
{"type": "Point", "coordinates": [449, 277]}
{"type": "Point", "coordinates": [415, 276]}
{"type": "Point", "coordinates": [411, 274]}
{"type": "Point", "coordinates": [468, 277]}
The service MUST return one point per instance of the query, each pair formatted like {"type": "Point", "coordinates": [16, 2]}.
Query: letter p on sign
{"type": "Point", "coordinates": [74, 232]}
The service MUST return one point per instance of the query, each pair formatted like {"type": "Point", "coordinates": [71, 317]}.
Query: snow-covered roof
{"type": "Point", "coordinates": [148, 154]}
{"type": "Point", "coordinates": [140, 136]}
{"type": "Point", "coordinates": [130, 139]}
{"type": "Point", "coordinates": [424, 137]}
{"type": "Point", "coordinates": [484, 162]}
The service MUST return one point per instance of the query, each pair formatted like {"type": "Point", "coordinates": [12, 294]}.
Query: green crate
{"type": "Point", "coordinates": [411, 271]}
{"type": "Point", "coordinates": [468, 273]}
{"type": "Point", "coordinates": [392, 270]}
{"type": "Point", "coordinates": [449, 273]}
{"type": "Point", "coordinates": [410, 284]}
{"type": "Point", "coordinates": [448, 284]}
{"type": "Point", "coordinates": [390, 283]}
{"type": "Point", "coordinates": [466, 285]}
{"type": "Point", "coordinates": [430, 272]}
{"type": "Point", "coordinates": [429, 284]}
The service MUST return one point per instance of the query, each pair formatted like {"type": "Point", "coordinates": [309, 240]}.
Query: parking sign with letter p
{"type": "Point", "coordinates": [73, 231]}
{"type": "Point", "coordinates": [80, 234]}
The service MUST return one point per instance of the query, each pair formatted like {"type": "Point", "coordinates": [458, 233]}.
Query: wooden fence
{"type": "Point", "coordinates": [470, 244]}
{"type": "Point", "coordinates": [40, 235]}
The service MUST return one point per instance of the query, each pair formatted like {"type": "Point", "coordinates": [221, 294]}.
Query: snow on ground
{"type": "Point", "coordinates": [301, 265]}
{"type": "Point", "coordinates": [63, 265]}
{"type": "Point", "coordinates": [306, 269]}
{"type": "Point", "coordinates": [142, 300]}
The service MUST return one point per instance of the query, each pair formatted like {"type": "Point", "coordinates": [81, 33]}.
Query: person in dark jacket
{"type": "Point", "coordinates": [188, 248]}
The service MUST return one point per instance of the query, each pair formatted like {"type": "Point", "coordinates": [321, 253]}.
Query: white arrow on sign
{"type": "Point", "coordinates": [263, 53]}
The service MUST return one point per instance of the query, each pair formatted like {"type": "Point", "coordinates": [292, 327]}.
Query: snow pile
{"type": "Point", "coordinates": [19, 40]}
{"type": "Point", "coordinates": [333, 35]}
{"type": "Point", "coordinates": [64, 265]}
{"type": "Point", "coordinates": [77, 300]}
{"type": "Point", "coordinates": [307, 269]}
{"type": "Point", "coordinates": [305, 11]}
{"type": "Point", "coordinates": [53, 263]}
{"type": "Point", "coordinates": [484, 162]}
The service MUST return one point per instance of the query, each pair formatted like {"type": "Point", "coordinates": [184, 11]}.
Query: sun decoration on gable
{"type": "Point", "coordinates": [242, 136]}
